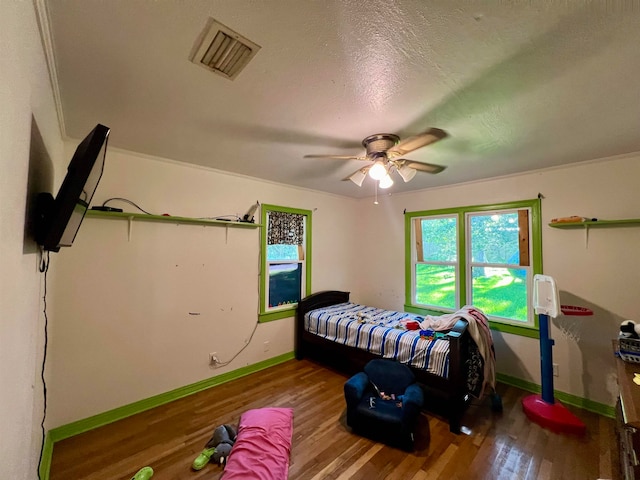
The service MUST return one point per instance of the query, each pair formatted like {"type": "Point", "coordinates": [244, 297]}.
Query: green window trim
{"type": "Point", "coordinates": [265, 315]}
{"type": "Point", "coordinates": [535, 236]}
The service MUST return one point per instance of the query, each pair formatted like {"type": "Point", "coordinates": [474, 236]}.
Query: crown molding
{"type": "Point", "coordinates": [42, 14]}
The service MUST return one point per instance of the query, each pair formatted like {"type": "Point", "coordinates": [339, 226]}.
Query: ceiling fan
{"type": "Point", "coordinates": [383, 154]}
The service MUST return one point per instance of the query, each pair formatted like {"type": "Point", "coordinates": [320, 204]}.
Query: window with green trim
{"type": "Point", "coordinates": [285, 260]}
{"type": "Point", "coordinates": [482, 255]}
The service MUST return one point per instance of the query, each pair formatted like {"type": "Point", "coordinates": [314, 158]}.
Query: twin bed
{"type": "Point", "coordinates": [345, 335]}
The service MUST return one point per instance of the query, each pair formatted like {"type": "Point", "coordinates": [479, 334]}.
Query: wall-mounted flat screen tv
{"type": "Point", "coordinates": [59, 219]}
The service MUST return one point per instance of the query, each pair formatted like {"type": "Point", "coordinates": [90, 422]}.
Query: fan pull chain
{"type": "Point", "coordinates": [375, 202]}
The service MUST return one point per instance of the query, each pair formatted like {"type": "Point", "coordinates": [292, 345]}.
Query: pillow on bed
{"type": "Point", "coordinates": [262, 448]}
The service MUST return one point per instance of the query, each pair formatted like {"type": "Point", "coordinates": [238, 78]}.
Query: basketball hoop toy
{"type": "Point", "coordinates": [543, 409]}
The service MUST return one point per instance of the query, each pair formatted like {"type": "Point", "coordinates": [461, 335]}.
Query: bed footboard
{"type": "Point", "coordinates": [458, 348]}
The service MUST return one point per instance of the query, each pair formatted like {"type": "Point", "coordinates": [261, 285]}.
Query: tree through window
{"type": "Point", "coordinates": [483, 255]}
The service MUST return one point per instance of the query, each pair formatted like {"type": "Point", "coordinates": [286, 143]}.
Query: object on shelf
{"type": "Point", "coordinates": [106, 209]}
{"type": "Point", "coordinates": [629, 329]}
{"type": "Point", "coordinates": [629, 342]}
{"type": "Point", "coordinates": [573, 219]}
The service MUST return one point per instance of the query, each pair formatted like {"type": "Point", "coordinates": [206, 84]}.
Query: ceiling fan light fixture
{"type": "Point", "coordinates": [407, 173]}
{"type": "Point", "coordinates": [378, 170]}
{"type": "Point", "coordinates": [358, 177]}
{"type": "Point", "coordinates": [383, 155]}
{"type": "Point", "coordinates": [386, 181]}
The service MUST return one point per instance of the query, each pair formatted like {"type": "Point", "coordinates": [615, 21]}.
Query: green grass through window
{"type": "Point", "coordinates": [496, 291]}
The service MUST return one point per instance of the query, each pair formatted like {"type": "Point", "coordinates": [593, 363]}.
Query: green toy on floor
{"type": "Point", "coordinates": [217, 448]}
{"type": "Point", "coordinates": [144, 473]}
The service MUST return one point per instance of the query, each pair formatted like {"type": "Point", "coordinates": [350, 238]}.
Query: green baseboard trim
{"type": "Point", "coordinates": [45, 459]}
{"type": "Point", "coordinates": [84, 425]}
{"type": "Point", "coordinates": [566, 398]}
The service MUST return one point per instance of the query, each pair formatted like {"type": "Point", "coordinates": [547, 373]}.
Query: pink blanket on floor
{"type": "Point", "coordinates": [262, 448]}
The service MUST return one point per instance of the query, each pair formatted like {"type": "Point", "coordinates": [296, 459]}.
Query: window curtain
{"type": "Point", "coordinates": [285, 229]}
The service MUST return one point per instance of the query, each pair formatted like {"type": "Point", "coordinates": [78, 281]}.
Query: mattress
{"type": "Point", "coordinates": [381, 332]}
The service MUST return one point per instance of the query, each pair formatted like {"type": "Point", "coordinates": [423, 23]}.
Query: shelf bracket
{"type": "Point", "coordinates": [130, 229]}
{"type": "Point", "coordinates": [586, 236]}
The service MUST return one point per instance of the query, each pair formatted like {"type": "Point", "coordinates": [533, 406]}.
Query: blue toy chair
{"type": "Point", "coordinates": [383, 403]}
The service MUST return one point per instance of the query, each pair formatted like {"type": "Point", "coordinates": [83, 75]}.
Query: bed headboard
{"type": "Point", "coordinates": [313, 301]}
{"type": "Point", "coordinates": [322, 299]}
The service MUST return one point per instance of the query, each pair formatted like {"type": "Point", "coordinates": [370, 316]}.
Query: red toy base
{"type": "Point", "coordinates": [553, 416]}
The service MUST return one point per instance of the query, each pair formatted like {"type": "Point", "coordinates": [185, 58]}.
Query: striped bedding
{"type": "Point", "coordinates": [380, 332]}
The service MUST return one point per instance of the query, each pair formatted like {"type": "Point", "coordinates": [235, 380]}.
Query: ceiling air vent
{"type": "Point", "coordinates": [222, 50]}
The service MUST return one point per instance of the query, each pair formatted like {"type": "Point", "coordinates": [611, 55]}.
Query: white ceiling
{"type": "Point", "coordinates": [518, 87]}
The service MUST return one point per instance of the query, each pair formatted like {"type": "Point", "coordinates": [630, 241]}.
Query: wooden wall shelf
{"type": "Point", "coordinates": [170, 219]}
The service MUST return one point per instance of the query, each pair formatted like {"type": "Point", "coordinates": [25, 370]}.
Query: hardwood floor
{"type": "Point", "coordinates": [499, 446]}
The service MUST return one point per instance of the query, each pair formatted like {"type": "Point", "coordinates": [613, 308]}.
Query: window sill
{"type": "Point", "coordinates": [424, 311]}
{"type": "Point", "coordinates": [531, 332]}
{"type": "Point", "coordinates": [277, 315]}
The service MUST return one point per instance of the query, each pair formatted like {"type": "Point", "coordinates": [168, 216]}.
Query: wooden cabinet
{"type": "Point", "coordinates": [628, 418]}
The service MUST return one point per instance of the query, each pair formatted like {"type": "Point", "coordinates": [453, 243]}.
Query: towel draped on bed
{"type": "Point", "coordinates": [479, 331]}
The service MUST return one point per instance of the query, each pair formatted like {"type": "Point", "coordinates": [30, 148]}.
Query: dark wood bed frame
{"type": "Point", "coordinates": [444, 396]}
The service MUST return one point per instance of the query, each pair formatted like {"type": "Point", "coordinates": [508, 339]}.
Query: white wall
{"type": "Point", "coordinates": [123, 322]}
{"type": "Point", "coordinates": [28, 132]}
{"type": "Point", "coordinates": [603, 276]}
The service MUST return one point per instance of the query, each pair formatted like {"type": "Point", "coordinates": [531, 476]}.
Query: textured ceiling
{"type": "Point", "coordinates": [518, 87]}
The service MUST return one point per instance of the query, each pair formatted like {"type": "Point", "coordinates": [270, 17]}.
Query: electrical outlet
{"type": "Point", "coordinates": [266, 346]}
{"type": "Point", "coordinates": [213, 359]}
{"type": "Point", "coordinates": [555, 370]}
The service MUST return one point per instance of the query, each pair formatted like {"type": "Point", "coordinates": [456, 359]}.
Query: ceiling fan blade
{"type": "Point", "coordinates": [422, 167]}
{"type": "Point", "coordinates": [418, 141]}
{"type": "Point", "coordinates": [337, 157]}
